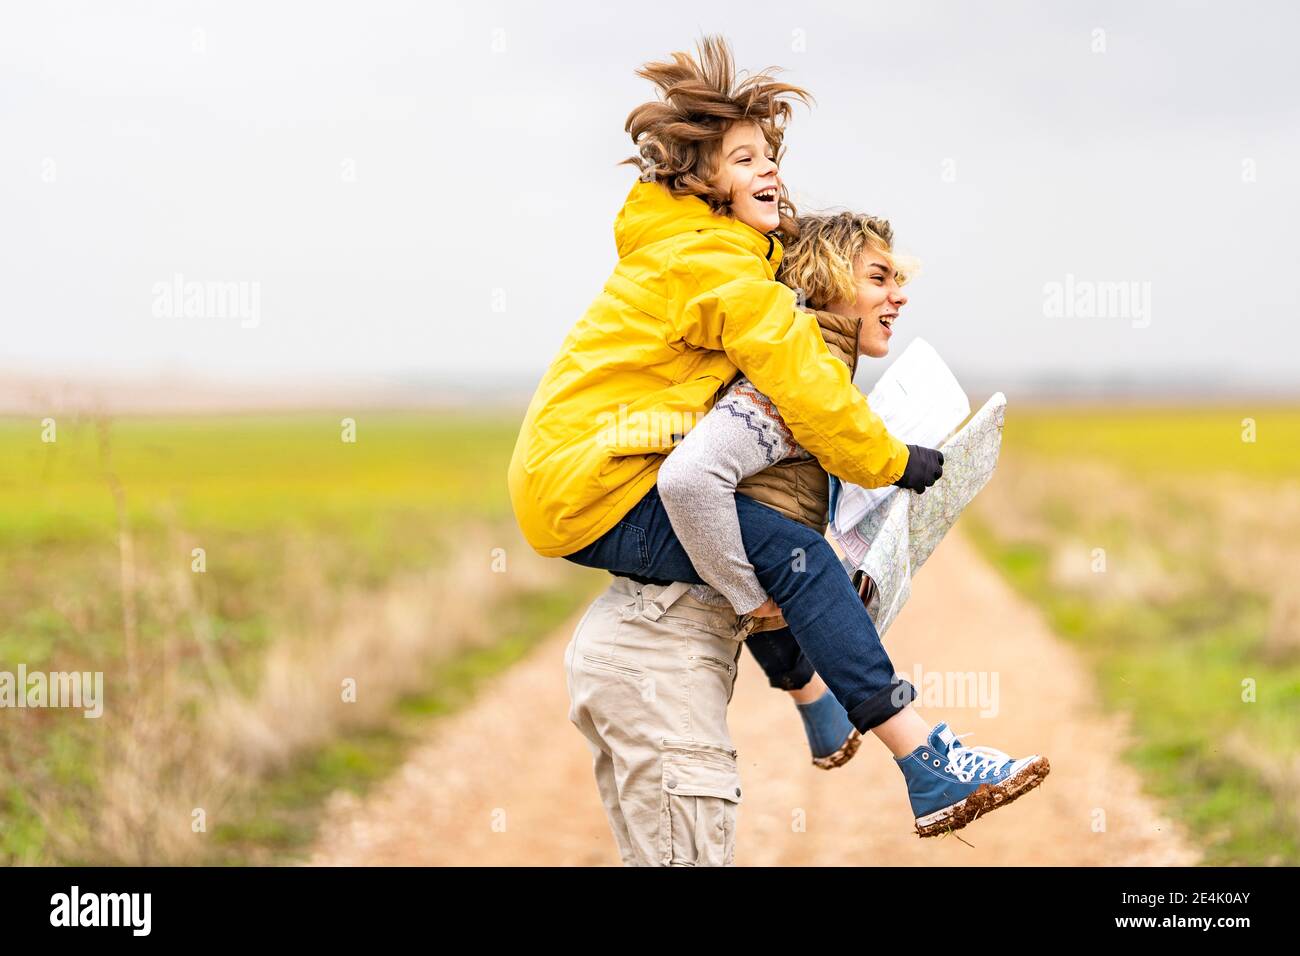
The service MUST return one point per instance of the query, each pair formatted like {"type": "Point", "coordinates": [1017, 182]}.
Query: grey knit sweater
{"type": "Point", "coordinates": [740, 436]}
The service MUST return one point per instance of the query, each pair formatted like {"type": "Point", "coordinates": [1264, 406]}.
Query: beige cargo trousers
{"type": "Point", "coordinates": [650, 672]}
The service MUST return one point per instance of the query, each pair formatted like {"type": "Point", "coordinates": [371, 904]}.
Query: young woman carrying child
{"type": "Point", "coordinates": [693, 301]}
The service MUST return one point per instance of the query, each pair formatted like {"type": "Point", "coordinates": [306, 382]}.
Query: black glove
{"type": "Point", "coordinates": [924, 468]}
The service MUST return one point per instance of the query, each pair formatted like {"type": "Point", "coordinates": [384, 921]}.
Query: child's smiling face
{"type": "Point", "coordinates": [747, 172]}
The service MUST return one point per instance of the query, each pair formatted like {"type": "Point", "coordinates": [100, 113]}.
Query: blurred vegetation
{"type": "Point", "coordinates": [1157, 442]}
{"type": "Point", "coordinates": [1163, 544]}
{"type": "Point", "coordinates": [304, 536]}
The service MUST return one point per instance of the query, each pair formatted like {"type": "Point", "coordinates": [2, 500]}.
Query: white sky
{"type": "Point", "coordinates": [129, 156]}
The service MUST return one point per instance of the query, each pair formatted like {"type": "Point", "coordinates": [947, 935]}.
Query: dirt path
{"type": "Point", "coordinates": [514, 759]}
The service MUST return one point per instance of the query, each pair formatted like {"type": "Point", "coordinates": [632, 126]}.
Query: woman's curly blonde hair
{"type": "Point", "coordinates": [819, 263]}
{"type": "Point", "coordinates": [678, 136]}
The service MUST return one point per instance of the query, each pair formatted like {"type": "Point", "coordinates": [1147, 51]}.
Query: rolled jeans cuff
{"type": "Point", "coordinates": [882, 705]}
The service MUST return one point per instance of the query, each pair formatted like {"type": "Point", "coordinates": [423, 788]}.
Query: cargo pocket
{"type": "Point", "coordinates": [697, 819]}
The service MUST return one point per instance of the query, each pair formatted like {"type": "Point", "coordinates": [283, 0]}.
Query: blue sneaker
{"type": "Point", "coordinates": [951, 784]}
{"type": "Point", "coordinates": [831, 736]}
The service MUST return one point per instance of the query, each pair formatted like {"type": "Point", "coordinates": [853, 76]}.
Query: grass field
{"type": "Point", "coordinates": [1164, 542]}
{"type": "Point", "coordinates": [228, 575]}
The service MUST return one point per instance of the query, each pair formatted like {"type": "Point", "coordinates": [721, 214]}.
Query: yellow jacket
{"type": "Point", "coordinates": [692, 299]}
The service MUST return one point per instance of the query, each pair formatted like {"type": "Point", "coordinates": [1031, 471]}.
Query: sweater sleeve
{"type": "Point", "coordinates": [737, 438]}
{"type": "Point", "coordinates": [779, 349]}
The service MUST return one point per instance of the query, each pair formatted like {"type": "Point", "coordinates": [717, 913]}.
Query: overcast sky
{"type": "Point", "coordinates": [428, 190]}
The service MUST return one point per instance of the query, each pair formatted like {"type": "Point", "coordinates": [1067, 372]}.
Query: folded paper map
{"type": "Point", "coordinates": [889, 533]}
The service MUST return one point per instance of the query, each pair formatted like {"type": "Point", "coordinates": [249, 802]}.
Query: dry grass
{"type": "Point", "coordinates": [182, 745]}
{"type": "Point", "coordinates": [1194, 625]}
{"type": "Point", "coordinates": [1279, 774]}
{"type": "Point", "coordinates": [216, 682]}
{"type": "Point", "coordinates": [1163, 538]}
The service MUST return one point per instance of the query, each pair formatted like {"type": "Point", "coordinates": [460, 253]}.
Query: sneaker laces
{"type": "Point", "coordinates": [964, 762]}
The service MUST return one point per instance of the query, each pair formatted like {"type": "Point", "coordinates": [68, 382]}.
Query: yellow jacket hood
{"type": "Point", "coordinates": [651, 214]}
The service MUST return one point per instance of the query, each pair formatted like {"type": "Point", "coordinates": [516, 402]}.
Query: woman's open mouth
{"type": "Point", "coordinates": [888, 322]}
{"type": "Point", "coordinates": [766, 195]}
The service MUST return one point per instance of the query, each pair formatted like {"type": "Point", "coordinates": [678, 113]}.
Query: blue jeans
{"type": "Point", "coordinates": [781, 658]}
{"type": "Point", "coordinates": [799, 570]}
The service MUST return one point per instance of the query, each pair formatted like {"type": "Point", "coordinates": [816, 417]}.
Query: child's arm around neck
{"type": "Point", "coordinates": [753, 319]}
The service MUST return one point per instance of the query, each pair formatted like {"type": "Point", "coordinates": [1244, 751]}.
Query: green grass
{"type": "Point", "coordinates": [292, 519]}
{"type": "Point", "coordinates": [257, 494]}
{"type": "Point", "coordinates": [1175, 665]}
{"type": "Point", "coordinates": [1151, 442]}
{"type": "Point", "coordinates": [251, 472]}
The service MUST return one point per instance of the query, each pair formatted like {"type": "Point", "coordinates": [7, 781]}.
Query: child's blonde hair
{"type": "Point", "coordinates": [678, 136]}
{"type": "Point", "coordinates": [820, 262]}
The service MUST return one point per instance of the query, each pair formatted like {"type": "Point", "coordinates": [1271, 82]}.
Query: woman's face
{"type": "Point", "coordinates": [748, 173]}
{"type": "Point", "coordinates": [879, 300]}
